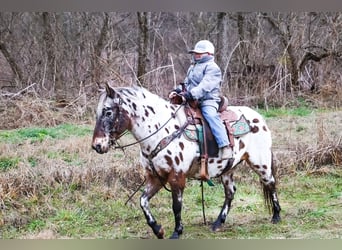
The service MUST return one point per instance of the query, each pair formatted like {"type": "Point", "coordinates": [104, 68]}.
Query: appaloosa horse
{"type": "Point", "coordinates": [168, 157]}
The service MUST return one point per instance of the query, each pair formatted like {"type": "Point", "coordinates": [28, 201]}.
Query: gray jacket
{"type": "Point", "coordinates": [203, 80]}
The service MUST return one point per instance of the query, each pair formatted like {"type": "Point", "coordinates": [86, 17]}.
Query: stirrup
{"type": "Point", "coordinates": [204, 170]}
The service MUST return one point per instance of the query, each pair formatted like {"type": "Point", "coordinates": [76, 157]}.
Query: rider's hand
{"type": "Point", "coordinates": [188, 96]}
{"type": "Point", "coordinates": [172, 94]}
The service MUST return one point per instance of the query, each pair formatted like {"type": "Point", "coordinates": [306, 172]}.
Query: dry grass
{"type": "Point", "coordinates": [27, 111]}
{"type": "Point", "coordinates": [309, 144]}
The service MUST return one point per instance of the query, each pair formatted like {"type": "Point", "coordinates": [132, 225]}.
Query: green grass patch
{"type": "Point", "coordinates": [36, 225]}
{"type": "Point", "coordinates": [33, 161]}
{"type": "Point", "coordinates": [7, 163]}
{"type": "Point", "coordinates": [36, 134]}
{"type": "Point", "coordinates": [281, 112]}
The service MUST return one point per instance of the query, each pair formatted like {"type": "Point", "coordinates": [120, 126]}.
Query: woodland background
{"type": "Point", "coordinates": [61, 59]}
{"type": "Point", "coordinates": [53, 185]}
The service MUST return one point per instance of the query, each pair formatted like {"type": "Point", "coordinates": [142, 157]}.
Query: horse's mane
{"type": "Point", "coordinates": [138, 93]}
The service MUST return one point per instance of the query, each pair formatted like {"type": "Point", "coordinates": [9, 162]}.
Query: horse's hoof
{"type": "Point", "coordinates": [159, 232]}
{"type": "Point", "coordinates": [174, 236]}
{"type": "Point", "coordinates": [216, 227]}
{"type": "Point", "coordinates": [276, 219]}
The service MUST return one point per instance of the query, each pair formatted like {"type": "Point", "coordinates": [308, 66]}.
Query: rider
{"type": "Point", "coordinates": [203, 83]}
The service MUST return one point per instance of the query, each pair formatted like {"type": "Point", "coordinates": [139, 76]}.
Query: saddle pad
{"type": "Point", "coordinates": [241, 127]}
{"type": "Point", "coordinates": [192, 134]}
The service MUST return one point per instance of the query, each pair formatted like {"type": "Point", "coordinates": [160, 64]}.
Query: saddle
{"type": "Point", "coordinates": [202, 133]}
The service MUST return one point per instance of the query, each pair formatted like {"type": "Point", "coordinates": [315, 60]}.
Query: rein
{"type": "Point", "coordinates": [147, 137]}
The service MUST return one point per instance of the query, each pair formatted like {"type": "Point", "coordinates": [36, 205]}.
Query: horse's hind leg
{"type": "Point", "coordinates": [229, 190]}
{"type": "Point", "coordinates": [270, 193]}
{"type": "Point", "coordinates": [153, 185]}
{"type": "Point", "coordinates": [271, 200]}
{"type": "Point", "coordinates": [266, 173]}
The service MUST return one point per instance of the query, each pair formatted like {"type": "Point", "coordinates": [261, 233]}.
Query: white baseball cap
{"type": "Point", "coordinates": [203, 46]}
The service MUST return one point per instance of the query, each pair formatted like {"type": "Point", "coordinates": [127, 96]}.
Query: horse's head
{"type": "Point", "coordinates": [112, 120]}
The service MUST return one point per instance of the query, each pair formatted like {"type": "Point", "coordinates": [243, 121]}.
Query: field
{"type": "Point", "coordinates": [53, 186]}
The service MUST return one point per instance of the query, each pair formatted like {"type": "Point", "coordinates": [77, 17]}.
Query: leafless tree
{"type": "Point", "coordinates": [264, 56]}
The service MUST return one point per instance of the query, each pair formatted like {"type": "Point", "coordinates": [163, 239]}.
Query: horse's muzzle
{"type": "Point", "coordinates": [98, 148]}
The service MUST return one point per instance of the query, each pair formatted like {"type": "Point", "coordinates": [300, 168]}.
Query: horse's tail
{"type": "Point", "coordinates": [269, 189]}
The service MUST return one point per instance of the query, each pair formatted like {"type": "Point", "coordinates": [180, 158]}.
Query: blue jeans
{"type": "Point", "coordinates": [211, 115]}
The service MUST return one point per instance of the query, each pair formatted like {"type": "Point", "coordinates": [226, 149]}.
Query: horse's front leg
{"type": "Point", "coordinates": [177, 182]}
{"type": "Point", "coordinates": [153, 185]}
{"type": "Point", "coordinates": [229, 190]}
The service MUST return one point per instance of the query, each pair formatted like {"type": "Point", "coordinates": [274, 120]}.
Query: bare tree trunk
{"type": "Point", "coordinates": [143, 45]}
{"type": "Point", "coordinates": [241, 35]}
{"type": "Point", "coordinates": [222, 54]}
{"type": "Point", "coordinates": [53, 63]}
{"type": "Point", "coordinates": [11, 61]}
{"type": "Point", "coordinates": [285, 38]}
{"type": "Point", "coordinates": [96, 63]}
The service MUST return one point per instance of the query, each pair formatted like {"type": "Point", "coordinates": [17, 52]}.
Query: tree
{"type": "Point", "coordinates": [144, 20]}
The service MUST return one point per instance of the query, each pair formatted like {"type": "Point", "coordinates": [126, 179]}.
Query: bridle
{"type": "Point", "coordinates": [114, 141]}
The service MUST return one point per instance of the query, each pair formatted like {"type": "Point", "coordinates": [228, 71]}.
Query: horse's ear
{"type": "Point", "coordinates": [110, 91]}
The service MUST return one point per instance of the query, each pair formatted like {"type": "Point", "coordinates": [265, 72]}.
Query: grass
{"type": "Point", "coordinates": [54, 186]}
{"type": "Point", "coordinates": [310, 206]}
{"type": "Point", "coordinates": [7, 163]}
{"type": "Point", "coordinates": [36, 134]}
{"type": "Point", "coordinates": [281, 112]}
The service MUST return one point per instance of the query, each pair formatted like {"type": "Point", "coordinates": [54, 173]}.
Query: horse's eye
{"type": "Point", "coordinates": [109, 113]}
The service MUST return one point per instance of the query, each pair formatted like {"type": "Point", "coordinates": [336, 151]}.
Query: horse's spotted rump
{"type": "Point", "coordinates": [255, 129]}
{"type": "Point", "coordinates": [241, 144]}
{"type": "Point", "coordinates": [134, 106]}
{"type": "Point", "coordinates": [264, 128]}
{"type": "Point", "coordinates": [264, 166]}
{"type": "Point", "coordinates": [167, 131]}
{"type": "Point", "coordinates": [181, 145]}
{"type": "Point", "coordinates": [255, 120]}
{"type": "Point", "coordinates": [211, 160]}
{"type": "Point", "coordinates": [169, 152]}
